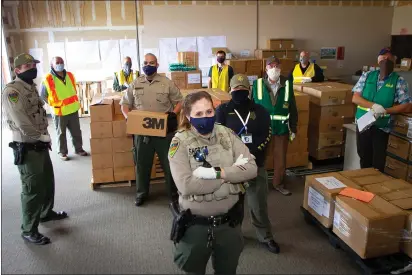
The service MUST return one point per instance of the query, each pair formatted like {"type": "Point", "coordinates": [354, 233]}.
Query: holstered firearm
{"type": "Point", "coordinates": [19, 151]}
{"type": "Point", "coordinates": [182, 220]}
{"type": "Point", "coordinates": [237, 212]}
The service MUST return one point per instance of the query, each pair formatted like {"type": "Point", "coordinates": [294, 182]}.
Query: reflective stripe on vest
{"type": "Point", "coordinates": [368, 109]}
{"type": "Point", "coordinates": [64, 99]}
{"type": "Point", "coordinates": [281, 118]}
{"type": "Point", "coordinates": [260, 90]}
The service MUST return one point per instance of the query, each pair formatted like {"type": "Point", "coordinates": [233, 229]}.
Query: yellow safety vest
{"type": "Point", "coordinates": [220, 80]}
{"type": "Point", "coordinates": [122, 79]}
{"type": "Point", "coordinates": [62, 97]}
{"type": "Point", "coordinates": [297, 73]}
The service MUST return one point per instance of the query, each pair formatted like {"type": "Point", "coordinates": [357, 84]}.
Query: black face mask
{"type": "Point", "coordinates": [386, 66]}
{"type": "Point", "coordinates": [221, 59]}
{"type": "Point", "coordinates": [240, 96]}
{"type": "Point", "coordinates": [28, 75]}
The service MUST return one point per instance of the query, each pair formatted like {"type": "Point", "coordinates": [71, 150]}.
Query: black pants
{"type": "Point", "coordinates": [371, 145]}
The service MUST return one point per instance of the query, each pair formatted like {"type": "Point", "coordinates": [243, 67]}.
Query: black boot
{"type": "Point", "coordinates": [272, 246]}
{"type": "Point", "coordinates": [139, 201]}
{"type": "Point", "coordinates": [53, 216]}
{"type": "Point", "coordinates": [35, 238]}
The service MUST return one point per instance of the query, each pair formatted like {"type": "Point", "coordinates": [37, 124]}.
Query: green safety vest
{"type": "Point", "coordinates": [279, 113]}
{"type": "Point", "coordinates": [385, 96]}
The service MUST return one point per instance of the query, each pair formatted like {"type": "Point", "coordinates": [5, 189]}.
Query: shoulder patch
{"type": "Point", "coordinates": [173, 147]}
{"type": "Point", "coordinates": [13, 97]}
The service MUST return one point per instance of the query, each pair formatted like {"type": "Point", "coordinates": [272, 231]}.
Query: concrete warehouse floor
{"type": "Point", "coordinates": [106, 233]}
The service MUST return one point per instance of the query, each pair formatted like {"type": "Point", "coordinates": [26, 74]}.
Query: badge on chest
{"type": "Point", "coordinates": [246, 138]}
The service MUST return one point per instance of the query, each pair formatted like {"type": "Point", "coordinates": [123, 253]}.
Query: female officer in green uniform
{"type": "Point", "coordinates": [209, 162]}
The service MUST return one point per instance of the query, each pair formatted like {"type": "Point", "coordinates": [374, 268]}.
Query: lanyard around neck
{"type": "Point", "coordinates": [241, 120]}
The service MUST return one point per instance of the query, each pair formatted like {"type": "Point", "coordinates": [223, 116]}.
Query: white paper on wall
{"type": "Point", "coordinates": [128, 47]}
{"type": "Point", "coordinates": [37, 53]}
{"type": "Point", "coordinates": [167, 53]}
{"type": "Point", "coordinates": [205, 45]}
{"type": "Point", "coordinates": [56, 49]}
{"type": "Point", "coordinates": [186, 44]}
{"type": "Point", "coordinates": [110, 56]}
{"type": "Point", "coordinates": [83, 55]}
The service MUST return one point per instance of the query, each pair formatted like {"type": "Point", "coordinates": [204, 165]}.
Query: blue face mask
{"type": "Point", "coordinates": [204, 125]}
{"type": "Point", "coordinates": [59, 67]}
{"type": "Point", "coordinates": [149, 70]}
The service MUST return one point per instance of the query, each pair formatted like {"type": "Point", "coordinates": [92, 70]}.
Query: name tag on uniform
{"type": "Point", "coordinates": [246, 138]}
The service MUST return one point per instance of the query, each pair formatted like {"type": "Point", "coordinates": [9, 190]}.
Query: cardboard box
{"type": "Point", "coordinates": [302, 131]}
{"type": "Point", "coordinates": [238, 65]}
{"type": "Point", "coordinates": [260, 54]}
{"type": "Point", "coordinates": [288, 44]}
{"type": "Point", "coordinates": [123, 144]}
{"type": "Point", "coordinates": [396, 168]}
{"type": "Point", "coordinates": [253, 67]}
{"type": "Point", "coordinates": [101, 145]}
{"type": "Point", "coordinates": [297, 159]}
{"type": "Point", "coordinates": [218, 96]}
{"type": "Point", "coordinates": [303, 117]}
{"type": "Point", "coordinates": [388, 186]}
{"type": "Point", "coordinates": [102, 161]}
{"type": "Point", "coordinates": [101, 109]}
{"type": "Point", "coordinates": [117, 107]}
{"type": "Point", "coordinates": [274, 44]}
{"type": "Point", "coordinates": [399, 147]}
{"type": "Point", "coordinates": [371, 229]}
{"type": "Point", "coordinates": [252, 78]}
{"type": "Point", "coordinates": [119, 126]}
{"type": "Point", "coordinates": [302, 101]}
{"type": "Point", "coordinates": [287, 66]}
{"type": "Point", "coordinates": [124, 173]}
{"type": "Point", "coordinates": [123, 159]}
{"type": "Point", "coordinates": [403, 125]}
{"type": "Point", "coordinates": [325, 93]}
{"type": "Point", "coordinates": [406, 64]}
{"type": "Point", "coordinates": [101, 130]}
{"type": "Point", "coordinates": [146, 123]}
{"type": "Point", "coordinates": [179, 78]}
{"type": "Point", "coordinates": [298, 145]}
{"type": "Point", "coordinates": [325, 153]}
{"type": "Point", "coordinates": [367, 176]}
{"type": "Point", "coordinates": [190, 59]}
{"type": "Point", "coordinates": [327, 125]}
{"type": "Point", "coordinates": [320, 140]}
{"type": "Point", "coordinates": [194, 79]}
{"type": "Point", "coordinates": [320, 192]}
{"type": "Point", "coordinates": [102, 175]}
{"type": "Point", "coordinates": [340, 111]}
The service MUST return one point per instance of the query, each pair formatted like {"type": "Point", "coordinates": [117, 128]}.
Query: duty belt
{"type": "Point", "coordinates": [214, 221]}
{"type": "Point", "coordinates": [38, 146]}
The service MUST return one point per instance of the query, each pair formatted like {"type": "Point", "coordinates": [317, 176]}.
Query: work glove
{"type": "Point", "coordinates": [292, 136]}
{"type": "Point", "coordinates": [307, 80]}
{"type": "Point", "coordinates": [171, 122]}
{"type": "Point", "coordinates": [45, 138]}
{"type": "Point", "coordinates": [240, 160]}
{"type": "Point", "coordinates": [126, 85]}
{"type": "Point", "coordinates": [205, 173]}
{"type": "Point", "coordinates": [378, 110]}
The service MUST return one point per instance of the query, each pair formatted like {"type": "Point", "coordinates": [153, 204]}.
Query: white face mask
{"type": "Point", "coordinates": [59, 67]}
{"type": "Point", "coordinates": [273, 74]}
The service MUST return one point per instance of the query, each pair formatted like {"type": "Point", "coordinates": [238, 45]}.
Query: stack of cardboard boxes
{"type": "Point", "coordinates": [330, 107]}
{"type": "Point", "coordinates": [372, 225]}
{"type": "Point", "coordinates": [187, 79]}
{"type": "Point", "coordinates": [111, 149]}
{"type": "Point", "coordinates": [399, 151]}
{"type": "Point", "coordinates": [250, 67]}
{"type": "Point", "coordinates": [281, 48]}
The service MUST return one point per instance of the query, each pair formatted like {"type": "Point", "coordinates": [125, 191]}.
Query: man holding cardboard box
{"type": "Point", "coordinates": [154, 93]}
{"type": "Point", "coordinates": [383, 92]}
{"type": "Point", "coordinates": [306, 72]}
{"type": "Point", "coordinates": [275, 93]}
{"type": "Point", "coordinates": [221, 73]}
{"type": "Point", "coordinates": [59, 91]}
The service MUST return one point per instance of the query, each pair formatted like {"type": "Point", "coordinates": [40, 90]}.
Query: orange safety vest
{"type": "Point", "coordinates": [62, 97]}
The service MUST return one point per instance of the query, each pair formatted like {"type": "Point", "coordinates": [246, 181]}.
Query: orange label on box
{"type": "Point", "coordinates": [357, 194]}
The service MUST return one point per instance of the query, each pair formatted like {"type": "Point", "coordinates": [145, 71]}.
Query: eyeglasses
{"type": "Point", "coordinates": [200, 156]}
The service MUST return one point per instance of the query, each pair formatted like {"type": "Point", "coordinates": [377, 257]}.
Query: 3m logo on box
{"type": "Point", "coordinates": [153, 123]}
{"type": "Point", "coordinates": [146, 123]}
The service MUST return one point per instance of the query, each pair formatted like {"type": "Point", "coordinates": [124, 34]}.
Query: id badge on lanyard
{"type": "Point", "coordinates": [245, 137]}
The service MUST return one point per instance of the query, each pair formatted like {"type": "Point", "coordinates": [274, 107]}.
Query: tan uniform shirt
{"type": "Point", "coordinates": [158, 96]}
{"type": "Point", "coordinates": [24, 111]}
{"type": "Point", "coordinates": [209, 197]}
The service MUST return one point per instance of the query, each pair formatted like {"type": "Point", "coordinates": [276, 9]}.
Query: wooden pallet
{"type": "Point", "coordinates": [379, 265]}
{"type": "Point", "coordinates": [94, 185]}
